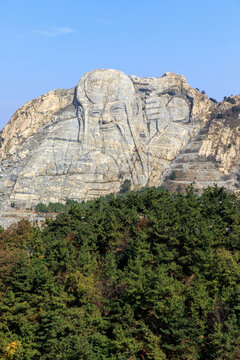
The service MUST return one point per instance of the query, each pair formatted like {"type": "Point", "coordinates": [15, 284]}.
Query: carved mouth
{"type": "Point", "coordinates": [107, 127]}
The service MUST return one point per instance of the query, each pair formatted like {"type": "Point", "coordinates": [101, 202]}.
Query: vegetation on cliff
{"type": "Point", "coordinates": [144, 275]}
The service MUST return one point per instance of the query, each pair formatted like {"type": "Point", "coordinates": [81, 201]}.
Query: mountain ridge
{"type": "Point", "coordinates": [84, 142]}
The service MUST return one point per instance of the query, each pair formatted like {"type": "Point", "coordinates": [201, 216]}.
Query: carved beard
{"type": "Point", "coordinates": [114, 142]}
{"type": "Point", "coordinates": [117, 149]}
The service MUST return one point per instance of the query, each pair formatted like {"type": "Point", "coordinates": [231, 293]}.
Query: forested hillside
{"type": "Point", "coordinates": [144, 275]}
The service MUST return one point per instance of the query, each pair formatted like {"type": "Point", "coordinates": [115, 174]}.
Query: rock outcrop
{"type": "Point", "coordinates": [223, 139]}
{"type": "Point", "coordinates": [84, 142]}
{"type": "Point", "coordinates": [30, 117]}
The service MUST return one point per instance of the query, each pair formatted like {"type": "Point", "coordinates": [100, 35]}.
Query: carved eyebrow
{"type": "Point", "coordinates": [94, 112]}
{"type": "Point", "coordinates": [117, 106]}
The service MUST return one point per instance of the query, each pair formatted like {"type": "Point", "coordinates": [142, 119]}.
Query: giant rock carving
{"type": "Point", "coordinates": [116, 128]}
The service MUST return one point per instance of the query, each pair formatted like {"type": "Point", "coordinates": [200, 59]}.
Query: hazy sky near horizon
{"type": "Point", "coordinates": [50, 44]}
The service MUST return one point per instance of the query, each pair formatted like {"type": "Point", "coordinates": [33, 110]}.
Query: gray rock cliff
{"type": "Point", "coordinates": [84, 142]}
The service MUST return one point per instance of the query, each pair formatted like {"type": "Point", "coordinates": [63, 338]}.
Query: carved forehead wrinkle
{"type": "Point", "coordinates": [102, 86]}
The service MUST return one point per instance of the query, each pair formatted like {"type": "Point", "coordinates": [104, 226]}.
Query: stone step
{"type": "Point", "coordinates": [207, 165]}
{"type": "Point", "coordinates": [175, 186]}
{"type": "Point", "coordinates": [204, 131]}
{"type": "Point", "coordinates": [192, 175]}
{"type": "Point", "coordinates": [200, 137]}
{"type": "Point", "coordinates": [192, 147]}
{"type": "Point", "coordinates": [191, 150]}
{"type": "Point", "coordinates": [189, 157]}
{"type": "Point", "coordinates": [194, 141]}
{"type": "Point", "coordinates": [201, 183]}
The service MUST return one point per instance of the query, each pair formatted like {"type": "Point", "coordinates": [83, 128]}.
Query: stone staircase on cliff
{"type": "Point", "coordinates": [191, 168]}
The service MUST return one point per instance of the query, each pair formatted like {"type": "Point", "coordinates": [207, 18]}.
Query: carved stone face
{"type": "Point", "coordinates": [111, 122]}
{"type": "Point", "coordinates": [107, 116]}
{"type": "Point", "coordinates": [110, 111]}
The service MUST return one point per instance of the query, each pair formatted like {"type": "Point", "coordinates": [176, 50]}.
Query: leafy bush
{"type": "Point", "coordinates": [173, 176]}
{"type": "Point", "coordinates": [41, 208]}
{"type": "Point", "coordinates": [231, 113]}
{"type": "Point", "coordinates": [213, 100]}
{"type": "Point", "coordinates": [235, 109]}
{"type": "Point", "coordinates": [126, 186]}
{"type": "Point", "coordinates": [55, 207]}
{"type": "Point", "coordinates": [230, 100]}
{"type": "Point", "coordinates": [179, 188]}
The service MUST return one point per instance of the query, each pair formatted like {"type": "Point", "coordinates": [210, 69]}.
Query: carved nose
{"type": "Point", "coordinates": [106, 119]}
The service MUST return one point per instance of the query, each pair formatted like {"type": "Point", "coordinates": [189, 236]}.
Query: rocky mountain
{"type": "Point", "coordinates": [84, 142]}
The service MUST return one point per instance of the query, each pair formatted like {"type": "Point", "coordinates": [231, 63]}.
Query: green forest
{"type": "Point", "coordinates": [140, 275]}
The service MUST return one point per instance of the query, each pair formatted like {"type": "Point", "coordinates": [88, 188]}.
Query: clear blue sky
{"type": "Point", "coordinates": [50, 44]}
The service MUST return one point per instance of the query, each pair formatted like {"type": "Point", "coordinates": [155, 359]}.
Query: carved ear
{"type": "Point", "coordinates": [137, 106]}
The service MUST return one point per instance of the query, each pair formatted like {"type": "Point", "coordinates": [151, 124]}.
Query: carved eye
{"type": "Point", "coordinates": [117, 108]}
{"type": "Point", "coordinates": [95, 113]}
